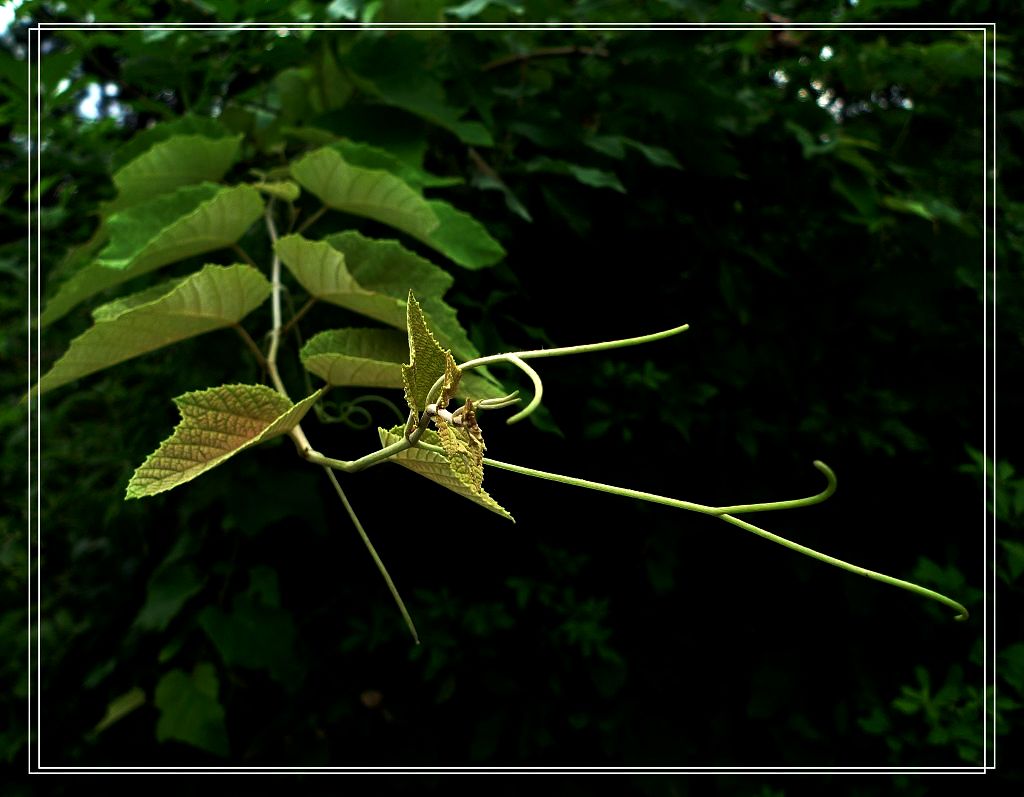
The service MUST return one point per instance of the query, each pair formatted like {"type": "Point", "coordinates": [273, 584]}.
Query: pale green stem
{"type": "Point", "coordinates": [723, 513]}
{"type": "Point", "coordinates": [373, 458]}
{"type": "Point", "coordinates": [373, 553]}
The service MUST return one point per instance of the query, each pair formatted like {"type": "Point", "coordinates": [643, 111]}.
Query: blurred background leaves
{"type": "Point", "coordinates": [808, 200]}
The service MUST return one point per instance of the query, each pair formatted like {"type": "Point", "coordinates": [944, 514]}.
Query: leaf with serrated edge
{"type": "Point", "coordinates": [427, 360]}
{"type": "Point", "coordinates": [464, 452]}
{"type": "Point", "coordinates": [204, 218]}
{"type": "Point", "coordinates": [215, 425]}
{"type": "Point", "coordinates": [357, 357]}
{"type": "Point", "coordinates": [216, 297]}
{"type": "Point", "coordinates": [373, 193]}
{"type": "Point", "coordinates": [171, 163]}
{"type": "Point", "coordinates": [435, 466]}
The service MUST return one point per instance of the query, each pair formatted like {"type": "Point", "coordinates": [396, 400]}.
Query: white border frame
{"type": "Point", "coordinates": [35, 443]}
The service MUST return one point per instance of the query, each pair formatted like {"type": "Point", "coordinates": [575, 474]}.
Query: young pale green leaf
{"type": "Point", "coordinates": [280, 189]}
{"type": "Point", "coordinates": [436, 467]}
{"type": "Point", "coordinates": [373, 193]}
{"type": "Point", "coordinates": [215, 425]}
{"type": "Point", "coordinates": [190, 711]}
{"type": "Point", "coordinates": [464, 448]}
{"type": "Point", "coordinates": [427, 360]}
{"type": "Point", "coordinates": [174, 162]}
{"type": "Point", "coordinates": [189, 221]}
{"type": "Point", "coordinates": [357, 357]}
{"type": "Point", "coordinates": [216, 297]}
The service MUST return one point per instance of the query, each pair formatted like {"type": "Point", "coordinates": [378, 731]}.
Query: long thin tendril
{"type": "Point", "coordinates": [725, 514]}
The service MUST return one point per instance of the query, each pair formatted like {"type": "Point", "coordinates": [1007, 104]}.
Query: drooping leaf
{"type": "Point", "coordinates": [190, 711]}
{"type": "Point", "coordinates": [189, 221]}
{"type": "Point", "coordinates": [174, 162]}
{"type": "Point", "coordinates": [357, 357]}
{"type": "Point", "coordinates": [215, 425]}
{"type": "Point", "coordinates": [436, 467]}
{"type": "Point", "coordinates": [461, 238]}
{"type": "Point", "coordinates": [216, 297]}
{"type": "Point", "coordinates": [373, 193]}
{"type": "Point", "coordinates": [427, 360]}
{"type": "Point", "coordinates": [380, 195]}
{"type": "Point", "coordinates": [615, 147]}
{"type": "Point", "coordinates": [587, 175]}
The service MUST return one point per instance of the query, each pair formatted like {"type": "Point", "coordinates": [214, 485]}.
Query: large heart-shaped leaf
{"type": "Point", "coordinates": [215, 425]}
{"type": "Point", "coordinates": [186, 222]}
{"type": "Point", "coordinates": [174, 162]}
{"type": "Point", "coordinates": [436, 467]}
{"type": "Point", "coordinates": [357, 357]}
{"type": "Point", "coordinates": [373, 193]}
{"type": "Point", "coordinates": [216, 297]}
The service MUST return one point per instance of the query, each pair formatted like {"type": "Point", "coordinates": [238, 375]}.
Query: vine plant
{"type": "Point", "coordinates": [171, 206]}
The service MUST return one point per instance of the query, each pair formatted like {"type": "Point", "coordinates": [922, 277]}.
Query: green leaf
{"type": "Point", "coordinates": [388, 268]}
{"type": "Point", "coordinates": [380, 195]}
{"type": "Point", "coordinates": [595, 178]}
{"type": "Point", "coordinates": [169, 589]}
{"type": "Point", "coordinates": [373, 278]}
{"type": "Point", "coordinates": [357, 357]}
{"type": "Point", "coordinates": [174, 162]}
{"type": "Point", "coordinates": [373, 193]}
{"type": "Point", "coordinates": [120, 707]}
{"type": "Point", "coordinates": [190, 221]}
{"type": "Point", "coordinates": [190, 711]}
{"type": "Point", "coordinates": [436, 467]}
{"type": "Point", "coordinates": [181, 126]}
{"type": "Point", "coordinates": [257, 633]}
{"type": "Point", "coordinates": [323, 271]}
{"type": "Point", "coordinates": [369, 157]}
{"type": "Point", "coordinates": [427, 360]}
{"type": "Point", "coordinates": [461, 238]}
{"type": "Point", "coordinates": [215, 425]}
{"type": "Point", "coordinates": [615, 147]}
{"type": "Point", "coordinates": [472, 8]}
{"type": "Point", "coordinates": [216, 297]}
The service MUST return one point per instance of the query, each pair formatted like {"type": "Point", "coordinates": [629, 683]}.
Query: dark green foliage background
{"type": "Point", "coordinates": [828, 263]}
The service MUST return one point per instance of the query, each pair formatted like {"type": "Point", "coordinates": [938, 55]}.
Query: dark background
{"type": "Point", "coordinates": [820, 228]}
